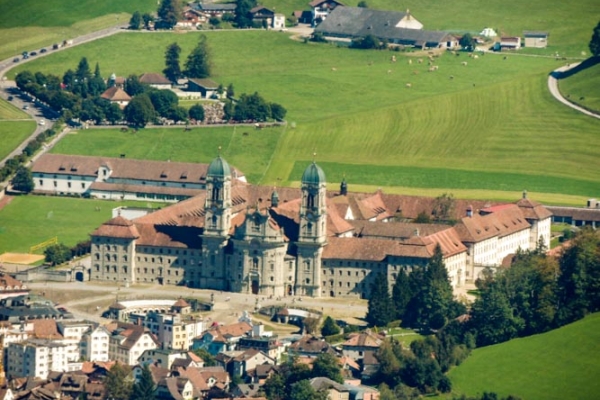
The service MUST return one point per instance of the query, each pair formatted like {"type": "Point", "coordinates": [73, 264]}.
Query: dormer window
{"type": "Point", "coordinates": [61, 168]}
{"type": "Point", "coordinates": [163, 174]}
{"type": "Point", "coordinates": [184, 175]}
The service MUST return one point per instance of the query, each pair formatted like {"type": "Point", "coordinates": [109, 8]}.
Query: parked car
{"type": "Point", "coordinates": [43, 50]}
{"type": "Point", "coordinates": [16, 59]}
{"type": "Point", "coordinates": [33, 53]}
{"type": "Point", "coordinates": [25, 107]}
{"type": "Point", "coordinates": [42, 122]}
{"type": "Point", "coordinates": [10, 98]}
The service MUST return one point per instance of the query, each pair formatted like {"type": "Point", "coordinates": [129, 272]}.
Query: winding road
{"type": "Point", "coordinates": [553, 87]}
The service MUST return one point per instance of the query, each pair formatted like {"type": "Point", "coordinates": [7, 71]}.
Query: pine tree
{"type": "Point", "coordinates": [144, 388]}
{"type": "Point", "coordinates": [595, 41]}
{"type": "Point", "coordinates": [23, 180]}
{"type": "Point", "coordinates": [329, 327]}
{"type": "Point", "coordinates": [380, 310]}
{"type": "Point", "coordinates": [401, 294]}
{"type": "Point", "coordinates": [198, 64]}
{"type": "Point", "coordinates": [135, 22]}
{"type": "Point", "coordinates": [172, 70]}
{"type": "Point", "coordinates": [117, 382]}
{"type": "Point", "coordinates": [83, 69]}
{"type": "Point", "coordinates": [169, 13]}
{"type": "Point", "coordinates": [326, 365]}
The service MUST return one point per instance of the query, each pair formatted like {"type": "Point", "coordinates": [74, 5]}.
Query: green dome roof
{"type": "Point", "coordinates": [313, 174]}
{"type": "Point", "coordinates": [219, 168]}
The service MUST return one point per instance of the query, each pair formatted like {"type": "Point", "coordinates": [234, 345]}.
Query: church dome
{"type": "Point", "coordinates": [219, 168]}
{"type": "Point", "coordinates": [313, 174]}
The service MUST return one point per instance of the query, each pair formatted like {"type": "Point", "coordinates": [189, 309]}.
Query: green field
{"type": "Point", "coordinates": [12, 133]}
{"type": "Point", "coordinates": [29, 25]}
{"type": "Point", "coordinates": [495, 119]}
{"type": "Point", "coordinates": [561, 364]}
{"type": "Point", "coordinates": [8, 111]}
{"type": "Point", "coordinates": [30, 220]}
{"type": "Point", "coordinates": [246, 148]}
{"type": "Point", "coordinates": [583, 87]}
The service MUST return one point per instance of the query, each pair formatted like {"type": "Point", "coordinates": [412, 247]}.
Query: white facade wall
{"type": "Point", "coordinates": [456, 267]}
{"type": "Point", "coordinates": [61, 184]}
{"type": "Point", "coordinates": [509, 244]}
{"type": "Point", "coordinates": [36, 359]}
{"type": "Point", "coordinates": [130, 356]}
{"type": "Point", "coordinates": [95, 345]}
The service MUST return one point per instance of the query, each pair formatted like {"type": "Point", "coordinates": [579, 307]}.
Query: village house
{"type": "Point", "coordinates": [320, 9]}
{"type": "Point", "coordinates": [116, 95]}
{"type": "Point", "coordinates": [360, 343]}
{"type": "Point", "coordinates": [510, 43]}
{"type": "Point", "coordinates": [155, 80]}
{"type": "Point", "coordinates": [202, 88]}
{"type": "Point", "coordinates": [243, 362]}
{"type": "Point", "coordinates": [127, 342]}
{"type": "Point", "coordinates": [267, 17]}
{"type": "Point", "coordinates": [221, 338]}
{"type": "Point", "coordinates": [335, 390]}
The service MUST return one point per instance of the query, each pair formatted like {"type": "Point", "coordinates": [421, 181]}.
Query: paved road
{"type": "Point", "coordinates": [553, 87]}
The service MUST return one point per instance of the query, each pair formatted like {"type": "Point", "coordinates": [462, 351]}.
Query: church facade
{"type": "Point", "coordinates": [302, 242]}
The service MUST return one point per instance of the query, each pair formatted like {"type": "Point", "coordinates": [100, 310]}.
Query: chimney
{"type": "Point", "coordinates": [469, 211]}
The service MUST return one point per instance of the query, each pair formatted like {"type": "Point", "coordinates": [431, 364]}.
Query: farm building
{"type": "Point", "coordinates": [205, 88]}
{"type": "Point", "coordinates": [510, 43]}
{"type": "Point", "coordinates": [399, 28]}
{"type": "Point", "coordinates": [309, 242]}
{"type": "Point", "coordinates": [215, 9]}
{"type": "Point", "coordinates": [536, 39]}
{"type": "Point", "coordinates": [272, 20]}
{"type": "Point", "coordinates": [116, 95]}
{"type": "Point", "coordinates": [155, 80]}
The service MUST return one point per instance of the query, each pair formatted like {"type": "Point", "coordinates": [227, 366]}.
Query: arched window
{"type": "Point", "coordinates": [215, 193]}
{"type": "Point", "coordinates": [310, 200]}
{"type": "Point", "coordinates": [255, 263]}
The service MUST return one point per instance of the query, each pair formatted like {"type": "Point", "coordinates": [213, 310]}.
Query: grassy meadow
{"type": "Point", "coordinates": [583, 87]}
{"type": "Point", "coordinates": [9, 111]}
{"type": "Point", "coordinates": [29, 220]}
{"type": "Point", "coordinates": [12, 134]}
{"type": "Point", "coordinates": [561, 364]}
{"type": "Point", "coordinates": [491, 128]}
{"type": "Point", "coordinates": [29, 25]}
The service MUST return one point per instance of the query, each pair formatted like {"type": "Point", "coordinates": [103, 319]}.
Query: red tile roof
{"type": "Point", "coordinates": [119, 227]}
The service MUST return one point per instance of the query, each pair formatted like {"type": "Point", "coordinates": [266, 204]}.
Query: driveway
{"type": "Point", "coordinates": [553, 87]}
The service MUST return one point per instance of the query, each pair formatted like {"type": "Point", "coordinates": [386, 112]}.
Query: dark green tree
{"type": "Point", "coordinates": [177, 113]}
{"type": "Point", "coordinates": [118, 383]}
{"type": "Point", "coordinates": [83, 70]}
{"type": "Point", "coordinates": [401, 294]}
{"type": "Point", "coordinates": [389, 364]}
{"type": "Point", "coordinates": [113, 113]}
{"type": "Point", "coordinates": [163, 101]}
{"type": "Point", "coordinates": [492, 318]}
{"type": "Point", "coordinates": [329, 327]}
{"type": "Point", "coordinates": [380, 309]}
{"type": "Point", "coordinates": [147, 18]}
{"type": "Point", "coordinates": [169, 12]}
{"type": "Point", "coordinates": [277, 111]}
{"type": "Point", "coordinates": [198, 64]}
{"type": "Point", "coordinates": [140, 111]}
{"type": "Point", "coordinates": [243, 18]}
{"type": "Point", "coordinates": [326, 365]}
{"type": "Point", "coordinates": [209, 359]}
{"type": "Point", "coordinates": [57, 254]}
{"type": "Point", "coordinates": [304, 391]}
{"type": "Point", "coordinates": [96, 84]}
{"type": "Point", "coordinates": [467, 42]}
{"type": "Point", "coordinates": [172, 69]}
{"type": "Point", "coordinates": [196, 112]}
{"type": "Point", "coordinates": [362, 4]}
{"type": "Point", "coordinates": [595, 41]}
{"type": "Point", "coordinates": [429, 308]}
{"type": "Point", "coordinates": [230, 90]}
{"type": "Point", "coordinates": [274, 387]}
{"type": "Point", "coordinates": [144, 388]}
{"type": "Point", "coordinates": [135, 22]}
{"type": "Point", "coordinates": [23, 180]}
{"type": "Point", "coordinates": [133, 86]}
{"type": "Point", "coordinates": [252, 107]}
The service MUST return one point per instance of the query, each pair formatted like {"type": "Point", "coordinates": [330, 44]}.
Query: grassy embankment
{"type": "Point", "coordinates": [15, 126]}
{"type": "Point", "coordinates": [29, 220]}
{"type": "Point", "coordinates": [493, 120]}
{"type": "Point", "coordinates": [28, 25]}
{"type": "Point", "coordinates": [583, 88]}
{"type": "Point", "coordinates": [561, 364]}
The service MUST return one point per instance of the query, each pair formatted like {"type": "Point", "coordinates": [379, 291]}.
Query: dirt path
{"type": "Point", "coordinates": [553, 87]}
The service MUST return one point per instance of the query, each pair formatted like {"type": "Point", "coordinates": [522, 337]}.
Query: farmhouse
{"type": "Point", "coordinates": [116, 95]}
{"type": "Point", "coordinates": [157, 81]}
{"type": "Point", "coordinates": [119, 178]}
{"type": "Point", "coordinates": [510, 43]}
{"type": "Point", "coordinates": [536, 39]}
{"type": "Point", "coordinates": [271, 20]}
{"type": "Point", "coordinates": [320, 9]}
{"type": "Point", "coordinates": [397, 28]}
{"type": "Point", "coordinates": [253, 239]}
{"type": "Point", "coordinates": [215, 9]}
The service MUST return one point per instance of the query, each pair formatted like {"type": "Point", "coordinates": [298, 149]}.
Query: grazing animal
{"type": "Point", "coordinates": [334, 69]}
{"type": "Point", "coordinates": [389, 71]}
{"type": "Point", "coordinates": [505, 58]}
{"type": "Point", "coordinates": [420, 61]}
{"type": "Point", "coordinates": [409, 61]}
{"type": "Point", "coordinates": [393, 58]}
{"type": "Point", "coordinates": [408, 85]}
{"type": "Point", "coordinates": [431, 69]}
{"type": "Point", "coordinates": [464, 63]}
{"type": "Point", "coordinates": [476, 56]}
